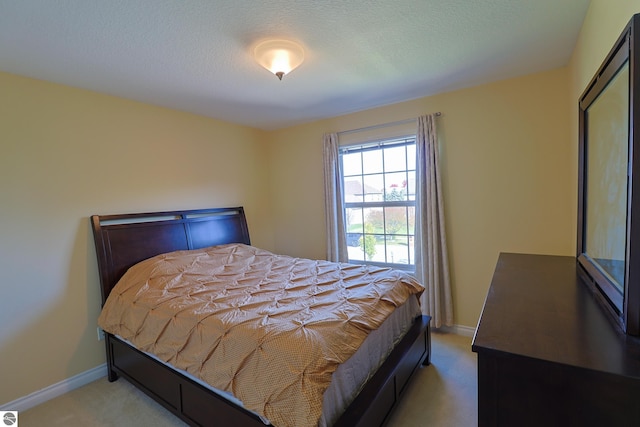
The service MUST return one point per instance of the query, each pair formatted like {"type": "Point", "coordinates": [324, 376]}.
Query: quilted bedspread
{"type": "Point", "coordinates": [270, 329]}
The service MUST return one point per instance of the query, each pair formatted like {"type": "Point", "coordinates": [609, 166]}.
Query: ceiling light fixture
{"type": "Point", "coordinates": [279, 56]}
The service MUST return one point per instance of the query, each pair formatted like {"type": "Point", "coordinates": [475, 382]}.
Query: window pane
{"type": "Point", "coordinates": [353, 189]}
{"type": "Point", "coordinates": [411, 218]}
{"type": "Point", "coordinates": [395, 219]}
{"type": "Point", "coordinates": [355, 251]}
{"type": "Point", "coordinates": [373, 220]}
{"type": "Point", "coordinates": [411, 185]}
{"type": "Point", "coordinates": [373, 187]}
{"type": "Point", "coordinates": [369, 246]}
{"type": "Point", "coordinates": [389, 250]}
{"type": "Point", "coordinates": [396, 186]}
{"type": "Point", "coordinates": [411, 157]}
{"type": "Point", "coordinates": [372, 161]}
{"type": "Point", "coordinates": [351, 164]}
{"type": "Point", "coordinates": [397, 249]}
{"type": "Point", "coordinates": [395, 159]}
{"type": "Point", "coordinates": [412, 259]}
{"type": "Point", "coordinates": [354, 220]}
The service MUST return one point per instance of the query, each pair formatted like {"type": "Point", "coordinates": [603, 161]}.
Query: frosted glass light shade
{"type": "Point", "coordinates": [279, 56]}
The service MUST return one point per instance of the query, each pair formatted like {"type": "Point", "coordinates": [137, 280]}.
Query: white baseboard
{"type": "Point", "coordinates": [55, 390]}
{"type": "Point", "coordinates": [458, 330]}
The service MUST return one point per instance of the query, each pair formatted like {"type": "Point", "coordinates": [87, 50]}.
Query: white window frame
{"type": "Point", "coordinates": [408, 203]}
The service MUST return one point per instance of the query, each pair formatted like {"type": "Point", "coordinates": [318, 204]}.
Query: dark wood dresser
{"type": "Point", "coordinates": [548, 352]}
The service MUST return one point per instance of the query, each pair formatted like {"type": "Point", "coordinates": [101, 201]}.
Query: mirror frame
{"type": "Point", "coordinates": [624, 308]}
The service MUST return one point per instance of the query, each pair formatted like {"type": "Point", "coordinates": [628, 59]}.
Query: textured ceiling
{"type": "Point", "coordinates": [195, 55]}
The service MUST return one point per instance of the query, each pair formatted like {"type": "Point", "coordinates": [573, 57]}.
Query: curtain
{"type": "Point", "coordinates": [432, 263]}
{"type": "Point", "coordinates": [336, 236]}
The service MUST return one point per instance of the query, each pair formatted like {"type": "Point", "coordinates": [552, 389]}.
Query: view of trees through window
{"type": "Point", "coordinates": [379, 199]}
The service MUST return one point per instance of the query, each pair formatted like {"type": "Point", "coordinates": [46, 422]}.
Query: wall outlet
{"type": "Point", "coordinates": [100, 334]}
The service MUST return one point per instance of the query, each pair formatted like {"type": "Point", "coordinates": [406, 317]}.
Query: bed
{"type": "Point", "coordinates": [124, 241]}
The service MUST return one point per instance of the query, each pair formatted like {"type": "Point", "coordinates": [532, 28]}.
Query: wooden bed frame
{"type": "Point", "coordinates": [123, 240]}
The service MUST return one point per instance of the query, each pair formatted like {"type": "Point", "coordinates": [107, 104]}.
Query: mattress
{"type": "Point", "coordinates": [268, 329]}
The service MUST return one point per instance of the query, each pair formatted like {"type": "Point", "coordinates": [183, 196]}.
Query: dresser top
{"type": "Point", "coordinates": [539, 307]}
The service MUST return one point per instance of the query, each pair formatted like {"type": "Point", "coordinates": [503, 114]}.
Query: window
{"type": "Point", "coordinates": [379, 182]}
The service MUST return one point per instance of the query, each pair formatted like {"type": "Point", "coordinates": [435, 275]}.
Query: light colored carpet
{"type": "Point", "coordinates": [441, 395]}
{"type": "Point", "coordinates": [444, 394]}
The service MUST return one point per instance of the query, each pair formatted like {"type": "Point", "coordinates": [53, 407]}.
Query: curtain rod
{"type": "Point", "coordinates": [399, 122]}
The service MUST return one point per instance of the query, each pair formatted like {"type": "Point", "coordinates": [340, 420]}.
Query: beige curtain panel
{"type": "Point", "coordinates": [334, 209]}
{"type": "Point", "coordinates": [432, 262]}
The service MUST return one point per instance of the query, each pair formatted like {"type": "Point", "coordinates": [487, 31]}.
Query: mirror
{"type": "Point", "coordinates": [607, 157]}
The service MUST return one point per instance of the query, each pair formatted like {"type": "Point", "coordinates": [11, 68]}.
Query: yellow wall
{"type": "Point", "coordinates": [602, 26]}
{"type": "Point", "coordinates": [504, 156]}
{"type": "Point", "coordinates": [66, 154]}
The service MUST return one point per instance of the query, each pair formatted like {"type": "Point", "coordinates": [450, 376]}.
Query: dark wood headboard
{"type": "Point", "coordinates": [124, 240]}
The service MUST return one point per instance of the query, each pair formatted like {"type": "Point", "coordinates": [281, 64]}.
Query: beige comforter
{"type": "Point", "coordinates": [269, 329]}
